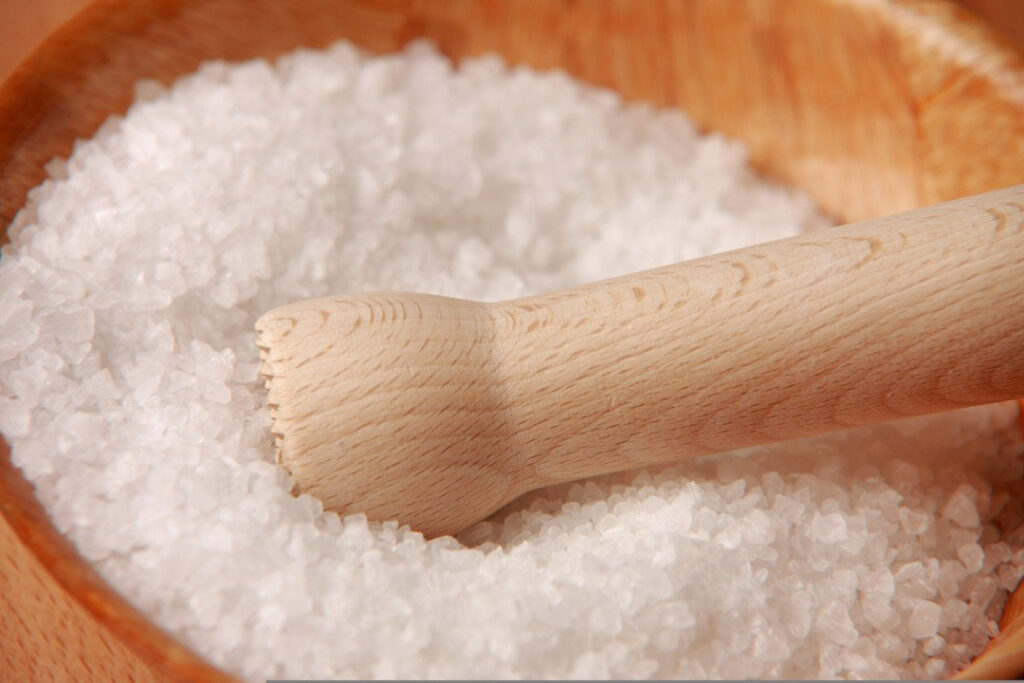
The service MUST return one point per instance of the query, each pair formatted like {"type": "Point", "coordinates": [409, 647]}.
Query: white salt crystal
{"type": "Point", "coordinates": [854, 662]}
{"type": "Point", "coordinates": [914, 521]}
{"type": "Point", "coordinates": [25, 385]}
{"type": "Point", "coordinates": [961, 508]}
{"type": "Point", "coordinates": [68, 324]}
{"type": "Point", "coordinates": [904, 475]}
{"type": "Point", "coordinates": [730, 537]}
{"type": "Point", "coordinates": [771, 646]}
{"type": "Point", "coordinates": [1009, 576]}
{"type": "Point", "coordinates": [934, 669]}
{"type": "Point", "coordinates": [982, 590]}
{"type": "Point", "coordinates": [15, 418]}
{"type": "Point", "coordinates": [734, 490]}
{"type": "Point", "coordinates": [954, 613]}
{"type": "Point", "coordinates": [101, 385]}
{"type": "Point", "coordinates": [19, 333]}
{"type": "Point", "coordinates": [879, 582]}
{"type": "Point", "coordinates": [756, 527]}
{"type": "Point", "coordinates": [845, 581]}
{"type": "Point", "coordinates": [934, 646]}
{"type": "Point", "coordinates": [772, 482]}
{"type": "Point", "coordinates": [830, 528]}
{"type": "Point", "coordinates": [924, 620]}
{"type": "Point", "coordinates": [971, 555]}
{"type": "Point", "coordinates": [910, 571]}
{"type": "Point", "coordinates": [878, 612]}
{"type": "Point", "coordinates": [80, 428]}
{"type": "Point", "coordinates": [830, 661]}
{"type": "Point", "coordinates": [788, 509]}
{"type": "Point", "coordinates": [129, 390]}
{"type": "Point", "coordinates": [835, 624]}
{"type": "Point", "coordinates": [995, 555]}
{"type": "Point", "coordinates": [890, 646]}
{"type": "Point", "coordinates": [950, 575]}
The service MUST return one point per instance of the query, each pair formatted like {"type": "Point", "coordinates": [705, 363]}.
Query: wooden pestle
{"type": "Point", "coordinates": [437, 411]}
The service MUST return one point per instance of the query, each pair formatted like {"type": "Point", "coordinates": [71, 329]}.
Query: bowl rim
{"type": "Point", "coordinates": [19, 505]}
{"type": "Point", "coordinates": [20, 508]}
{"type": "Point", "coordinates": [59, 558]}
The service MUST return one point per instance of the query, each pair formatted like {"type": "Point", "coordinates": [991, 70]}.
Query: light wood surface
{"type": "Point", "coordinates": [873, 105]}
{"type": "Point", "coordinates": [1005, 16]}
{"type": "Point", "coordinates": [437, 412]}
{"type": "Point", "coordinates": [61, 622]}
{"type": "Point", "coordinates": [24, 24]}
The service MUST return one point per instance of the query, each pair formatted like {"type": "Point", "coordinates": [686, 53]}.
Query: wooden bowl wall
{"type": "Point", "coordinates": [873, 106]}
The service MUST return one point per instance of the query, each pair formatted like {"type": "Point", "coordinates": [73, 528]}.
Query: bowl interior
{"type": "Point", "coordinates": [873, 107]}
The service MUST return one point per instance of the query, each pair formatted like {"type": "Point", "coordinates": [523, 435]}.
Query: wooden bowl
{"type": "Point", "coordinates": [873, 106]}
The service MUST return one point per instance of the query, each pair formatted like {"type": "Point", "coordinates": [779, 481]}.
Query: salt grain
{"type": "Point", "coordinates": [835, 624]}
{"type": "Point", "coordinates": [961, 509]}
{"type": "Point", "coordinates": [934, 669]}
{"type": "Point", "coordinates": [913, 521]}
{"type": "Point", "coordinates": [924, 620]}
{"type": "Point", "coordinates": [830, 528]}
{"type": "Point", "coordinates": [131, 397]}
{"type": "Point", "coordinates": [971, 555]}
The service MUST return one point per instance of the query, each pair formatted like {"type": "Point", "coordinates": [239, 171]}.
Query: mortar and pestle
{"type": "Point", "coordinates": [437, 411]}
{"type": "Point", "coordinates": [874, 107]}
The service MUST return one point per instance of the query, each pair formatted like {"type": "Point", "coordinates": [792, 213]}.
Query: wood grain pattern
{"type": "Point", "coordinates": [24, 25]}
{"type": "Point", "coordinates": [437, 412]}
{"type": "Point", "coordinates": [898, 125]}
{"type": "Point", "coordinates": [873, 105]}
{"type": "Point", "coordinates": [1002, 657]}
{"type": "Point", "coordinates": [1005, 16]}
{"type": "Point", "coordinates": [58, 620]}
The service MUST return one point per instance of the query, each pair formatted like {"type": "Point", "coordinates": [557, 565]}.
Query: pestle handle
{"type": "Point", "coordinates": [436, 411]}
{"type": "Point", "coordinates": [914, 313]}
